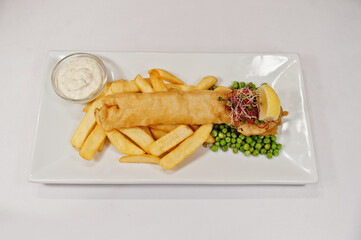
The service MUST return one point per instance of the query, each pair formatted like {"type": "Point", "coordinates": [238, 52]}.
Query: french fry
{"type": "Point", "coordinates": [102, 145]}
{"type": "Point", "coordinates": [148, 80]}
{"type": "Point", "coordinates": [168, 77]}
{"type": "Point", "coordinates": [88, 122]}
{"type": "Point", "coordinates": [124, 86]}
{"type": "Point", "coordinates": [179, 87]}
{"type": "Point", "coordinates": [221, 88]}
{"type": "Point", "coordinates": [92, 143]}
{"type": "Point", "coordinates": [187, 147]}
{"type": "Point", "coordinates": [123, 144]}
{"type": "Point", "coordinates": [210, 138]}
{"type": "Point", "coordinates": [206, 83]}
{"type": "Point", "coordinates": [157, 133]}
{"type": "Point", "coordinates": [165, 127]}
{"type": "Point", "coordinates": [157, 82]}
{"type": "Point", "coordinates": [147, 130]}
{"type": "Point", "coordinates": [85, 127]}
{"type": "Point", "coordinates": [143, 85]}
{"type": "Point", "coordinates": [170, 140]}
{"type": "Point", "coordinates": [86, 108]}
{"type": "Point", "coordinates": [139, 136]}
{"type": "Point", "coordinates": [140, 159]}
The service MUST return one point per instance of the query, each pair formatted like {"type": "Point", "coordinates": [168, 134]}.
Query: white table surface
{"type": "Point", "coordinates": [326, 34]}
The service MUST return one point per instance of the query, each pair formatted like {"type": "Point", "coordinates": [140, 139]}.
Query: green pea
{"type": "Point", "coordinates": [234, 135]}
{"type": "Point", "coordinates": [228, 144]}
{"type": "Point", "coordinates": [247, 153]}
{"type": "Point", "coordinates": [251, 149]}
{"type": "Point", "coordinates": [233, 140]}
{"type": "Point", "coordinates": [246, 146]}
{"type": "Point", "coordinates": [238, 145]}
{"type": "Point", "coordinates": [217, 139]}
{"type": "Point", "coordinates": [260, 137]}
{"type": "Point", "coordinates": [270, 151]}
{"type": "Point", "coordinates": [276, 152]}
{"type": "Point", "coordinates": [259, 140]}
{"type": "Point", "coordinates": [228, 139]}
{"type": "Point", "coordinates": [239, 140]}
{"type": "Point", "coordinates": [253, 144]}
{"type": "Point", "coordinates": [217, 144]}
{"type": "Point", "coordinates": [258, 146]}
{"type": "Point", "coordinates": [235, 85]}
{"type": "Point", "coordinates": [233, 145]}
{"type": "Point", "coordinates": [255, 153]}
{"type": "Point", "coordinates": [223, 142]}
{"type": "Point", "coordinates": [233, 130]}
{"type": "Point", "coordinates": [279, 146]}
{"type": "Point", "coordinates": [216, 126]}
{"type": "Point", "coordinates": [214, 148]}
{"type": "Point", "coordinates": [263, 151]}
{"type": "Point", "coordinates": [226, 126]}
{"type": "Point", "coordinates": [249, 140]}
{"type": "Point", "coordinates": [221, 126]}
{"type": "Point", "coordinates": [274, 146]}
{"type": "Point", "coordinates": [228, 134]}
{"type": "Point", "coordinates": [241, 136]}
{"type": "Point", "coordinates": [242, 84]}
{"type": "Point", "coordinates": [269, 155]}
{"type": "Point", "coordinates": [221, 135]}
{"type": "Point", "coordinates": [225, 148]}
{"type": "Point", "coordinates": [235, 150]}
{"type": "Point", "coordinates": [242, 149]}
{"type": "Point", "coordinates": [214, 133]}
{"type": "Point", "coordinates": [273, 138]}
{"type": "Point", "coordinates": [254, 137]}
{"type": "Point", "coordinates": [266, 140]}
{"type": "Point", "coordinates": [267, 146]}
{"type": "Point", "coordinates": [224, 130]}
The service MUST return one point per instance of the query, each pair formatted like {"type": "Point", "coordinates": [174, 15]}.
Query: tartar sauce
{"type": "Point", "coordinates": [79, 78]}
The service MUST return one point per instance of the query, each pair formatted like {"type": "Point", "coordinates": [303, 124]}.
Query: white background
{"type": "Point", "coordinates": [326, 34]}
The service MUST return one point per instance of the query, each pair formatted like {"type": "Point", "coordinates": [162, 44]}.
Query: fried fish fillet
{"type": "Point", "coordinates": [264, 128]}
{"type": "Point", "coordinates": [125, 110]}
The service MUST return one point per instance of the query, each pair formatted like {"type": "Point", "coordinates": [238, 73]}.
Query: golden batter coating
{"type": "Point", "coordinates": [126, 110]}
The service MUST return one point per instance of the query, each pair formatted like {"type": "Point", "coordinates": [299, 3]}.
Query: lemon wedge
{"type": "Point", "coordinates": [268, 103]}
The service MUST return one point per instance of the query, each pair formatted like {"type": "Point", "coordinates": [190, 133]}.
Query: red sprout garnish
{"type": "Point", "coordinates": [243, 106]}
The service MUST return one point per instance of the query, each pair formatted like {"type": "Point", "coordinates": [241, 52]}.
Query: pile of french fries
{"type": "Point", "coordinates": [166, 145]}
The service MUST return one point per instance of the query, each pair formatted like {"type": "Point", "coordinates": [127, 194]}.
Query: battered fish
{"type": "Point", "coordinates": [125, 110]}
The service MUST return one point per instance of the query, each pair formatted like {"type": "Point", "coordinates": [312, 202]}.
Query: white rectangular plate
{"type": "Point", "coordinates": [54, 160]}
